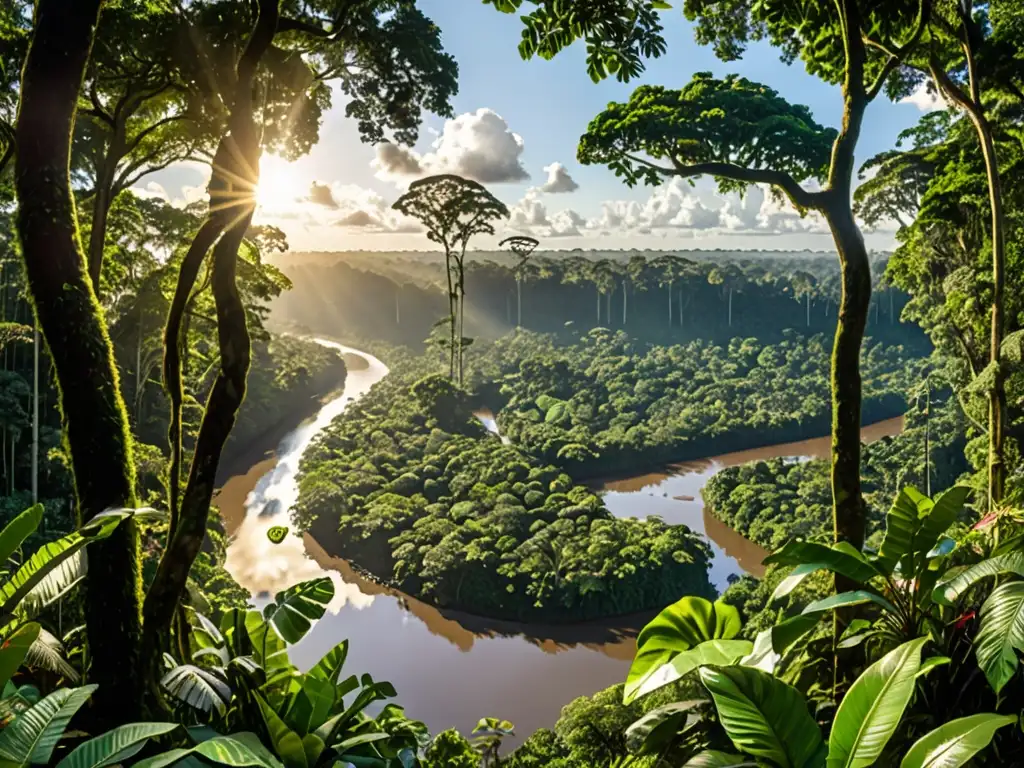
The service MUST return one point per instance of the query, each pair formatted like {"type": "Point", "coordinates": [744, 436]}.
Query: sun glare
{"type": "Point", "coordinates": [279, 190]}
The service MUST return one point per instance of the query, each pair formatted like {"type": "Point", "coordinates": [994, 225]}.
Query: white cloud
{"type": "Point", "coordinates": [528, 213]}
{"type": "Point", "coordinates": [925, 98]}
{"type": "Point", "coordinates": [478, 145]}
{"type": "Point", "coordinates": [559, 180]}
{"type": "Point", "coordinates": [566, 223]}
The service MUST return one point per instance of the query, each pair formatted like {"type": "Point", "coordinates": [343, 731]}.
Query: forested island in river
{"type": "Point", "coordinates": [332, 436]}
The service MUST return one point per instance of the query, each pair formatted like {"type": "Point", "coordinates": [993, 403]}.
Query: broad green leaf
{"type": "Point", "coordinates": [712, 758]}
{"type": "Point", "coordinates": [310, 705]}
{"type": "Point", "coordinates": [658, 727]}
{"type": "Point", "coordinates": [237, 750]}
{"type": "Point", "coordinates": [293, 611]}
{"type": "Point", "coordinates": [764, 717]}
{"type": "Point", "coordinates": [680, 627]}
{"type": "Point", "coordinates": [871, 710]}
{"type": "Point", "coordinates": [931, 663]}
{"type": "Point", "coordinates": [362, 738]}
{"type": "Point", "coordinates": [197, 687]}
{"type": "Point", "coordinates": [846, 599]}
{"type": "Point", "coordinates": [915, 523]}
{"type": "Point", "coordinates": [762, 655]}
{"type": "Point", "coordinates": [949, 591]}
{"type": "Point", "coordinates": [1001, 633]}
{"type": "Point", "coordinates": [788, 631]}
{"type": "Point", "coordinates": [810, 556]}
{"type": "Point", "coordinates": [62, 559]}
{"type": "Point", "coordinates": [15, 648]}
{"type": "Point", "coordinates": [719, 653]}
{"type": "Point", "coordinates": [287, 743]}
{"type": "Point", "coordinates": [951, 745]}
{"type": "Point", "coordinates": [33, 734]}
{"type": "Point", "coordinates": [20, 528]}
{"type": "Point", "coordinates": [115, 746]}
{"type": "Point", "coordinates": [329, 667]}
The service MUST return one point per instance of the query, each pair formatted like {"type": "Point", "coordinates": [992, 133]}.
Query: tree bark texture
{"type": "Point", "coordinates": [70, 320]}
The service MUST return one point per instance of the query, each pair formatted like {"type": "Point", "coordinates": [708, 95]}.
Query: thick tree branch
{"type": "Point", "coordinates": [134, 143]}
{"type": "Point", "coordinates": [896, 57]}
{"type": "Point", "coordinates": [800, 197]}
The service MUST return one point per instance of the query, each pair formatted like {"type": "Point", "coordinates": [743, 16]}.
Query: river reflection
{"type": "Point", "coordinates": [451, 669]}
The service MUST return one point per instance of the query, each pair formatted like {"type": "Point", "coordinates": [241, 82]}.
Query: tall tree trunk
{"type": "Point", "coordinates": [451, 314]}
{"type": "Point", "coordinates": [519, 302]}
{"type": "Point", "coordinates": [101, 207]}
{"type": "Point", "coordinates": [598, 292]}
{"type": "Point", "coordinates": [232, 202]}
{"type": "Point", "coordinates": [35, 413]}
{"type": "Point", "coordinates": [72, 325]}
{"type": "Point", "coordinates": [608, 307]}
{"type": "Point", "coordinates": [669, 303]}
{"type": "Point", "coordinates": [624, 299]}
{"type": "Point", "coordinates": [850, 512]}
{"type": "Point", "coordinates": [730, 307]}
{"type": "Point", "coordinates": [808, 310]}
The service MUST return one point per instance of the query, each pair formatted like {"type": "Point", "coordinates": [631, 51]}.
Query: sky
{"type": "Point", "coordinates": [516, 127]}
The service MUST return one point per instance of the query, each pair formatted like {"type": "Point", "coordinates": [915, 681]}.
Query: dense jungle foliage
{"type": "Point", "coordinates": [137, 364]}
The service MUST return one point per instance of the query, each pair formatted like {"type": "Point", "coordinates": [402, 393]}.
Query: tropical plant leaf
{"type": "Point", "coordinates": [871, 710]}
{"type": "Point", "coordinates": [951, 745]}
{"type": "Point", "coordinates": [712, 758]}
{"type": "Point", "coordinates": [20, 528]}
{"type": "Point", "coordinates": [293, 611]}
{"type": "Point", "coordinates": [915, 523]}
{"type": "Point", "coordinates": [764, 717]}
{"type": "Point", "coordinates": [33, 734]}
{"type": "Point", "coordinates": [949, 591]}
{"type": "Point", "coordinates": [115, 746]}
{"type": "Point", "coordinates": [287, 743]}
{"type": "Point", "coordinates": [787, 632]}
{"type": "Point", "coordinates": [809, 556]}
{"type": "Point", "coordinates": [846, 599]}
{"type": "Point", "coordinates": [719, 653]}
{"type": "Point", "coordinates": [47, 652]}
{"type": "Point", "coordinates": [14, 650]}
{"type": "Point", "coordinates": [1001, 633]}
{"type": "Point", "coordinates": [658, 727]}
{"type": "Point", "coordinates": [237, 750]}
{"type": "Point", "coordinates": [330, 665]}
{"type": "Point", "coordinates": [680, 627]}
{"type": "Point", "coordinates": [197, 687]}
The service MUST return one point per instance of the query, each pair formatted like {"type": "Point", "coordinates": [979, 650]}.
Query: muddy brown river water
{"type": "Point", "coordinates": [451, 669]}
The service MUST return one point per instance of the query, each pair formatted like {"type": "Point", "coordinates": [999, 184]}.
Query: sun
{"type": "Point", "coordinates": [279, 190]}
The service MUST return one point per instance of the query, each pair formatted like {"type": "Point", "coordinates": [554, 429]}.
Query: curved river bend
{"type": "Point", "coordinates": [451, 669]}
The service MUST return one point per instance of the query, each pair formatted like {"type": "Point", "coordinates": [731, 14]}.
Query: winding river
{"type": "Point", "coordinates": [451, 669]}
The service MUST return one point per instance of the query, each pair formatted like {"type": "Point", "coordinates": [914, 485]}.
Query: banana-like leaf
{"type": "Point", "coordinates": [20, 528]}
{"type": "Point", "coordinates": [14, 650]}
{"type": "Point", "coordinates": [115, 746]}
{"type": "Point", "coordinates": [951, 745]}
{"type": "Point", "coordinates": [329, 667]}
{"type": "Point", "coordinates": [949, 591]}
{"type": "Point", "coordinates": [198, 688]}
{"type": "Point", "coordinates": [764, 717]}
{"type": "Point", "coordinates": [809, 556]}
{"type": "Point", "coordinates": [915, 523]}
{"type": "Point", "coordinates": [293, 611]}
{"type": "Point", "coordinates": [47, 652]}
{"type": "Point", "coordinates": [683, 625]}
{"type": "Point", "coordinates": [846, 599]}
{"type": "Point", "coordinates": [33, 735]}
{"type": "Point", "coordinates": [1001, 633]}
{"type": "Point", "coordinates": [287, 743]}
{"type": "Point", "coordinates": [311, 705]}
{"type": "Point", "coordinates": [871, 710]}
{"type": "Point", "coordinates": [712, 758]}
{"type": "Point", "coordinates": [237, 750]}
{"type": "Point", "coordinates": [658, 727]}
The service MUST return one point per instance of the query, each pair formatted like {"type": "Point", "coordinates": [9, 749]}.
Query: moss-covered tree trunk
{"type": "Point", "coordinates": [232, 202]}
{"type": "Point", "coordinates": [95, 421]}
